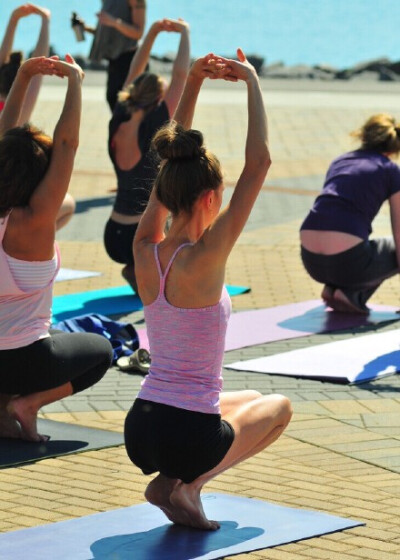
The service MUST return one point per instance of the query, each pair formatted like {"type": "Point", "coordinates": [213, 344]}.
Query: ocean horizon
{"type": "Point", "coordinates": [338, 33]}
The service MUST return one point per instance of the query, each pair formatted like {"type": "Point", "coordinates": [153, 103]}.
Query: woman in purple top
{"type": "Point", "coordinates": [335, 246]}
{"type": "Point", "coordinates": [181, 425]}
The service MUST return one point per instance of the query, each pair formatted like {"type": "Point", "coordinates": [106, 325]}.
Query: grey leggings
{"type": "Point", "coordinates": [358, 272]}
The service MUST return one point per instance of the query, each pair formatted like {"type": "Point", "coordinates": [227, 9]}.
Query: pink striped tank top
{"type": "Point", "coordinates": [187, 350]}
{"type": "Point", "coordinates": [25, 314]}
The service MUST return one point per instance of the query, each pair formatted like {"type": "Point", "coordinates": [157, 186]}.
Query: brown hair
{"type": "Point", "coordinates": [8, 71]}
{"type": "Point", "coordinates": [144, 93]}
{"type": "Point", "coordinates": [25, 154]}
{"type": "Point", "coordinates": [380, 133]}
{"type": "Point", "coordinates": [187, 168]}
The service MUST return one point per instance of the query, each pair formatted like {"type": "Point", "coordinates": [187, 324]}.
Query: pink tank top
{"type": "Point", "coordinates": [24, 315]}
{"type": "Point", "coordinates": [187, 350]}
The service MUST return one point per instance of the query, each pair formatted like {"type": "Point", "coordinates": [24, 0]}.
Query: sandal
{"type": "Point", "coordinates": [138, 361]}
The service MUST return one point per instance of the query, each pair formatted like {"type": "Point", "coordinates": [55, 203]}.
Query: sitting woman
{"type": "Point", "coordinates": [10, 62]}
{"type": "Point", "coordinates": [335, 246]}
{"type": "Point", "coordinates": [146, 103]}
{"type": "Point", "coordinates": [181, 425]}
{"type": "Point", "coordinates": [37, 366]}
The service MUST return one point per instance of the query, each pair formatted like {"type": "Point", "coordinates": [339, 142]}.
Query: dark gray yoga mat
{"type": "Point", "coordinates": [64, 439]}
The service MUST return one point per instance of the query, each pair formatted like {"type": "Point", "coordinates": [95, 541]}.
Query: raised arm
{"type": "Point", "coordinates": [49, 195]}
{"type": "Point", "coordinates": [134, 29]}
{"type": "Point", "coordinates": [8, 39]}
{"type": "Point", "coordinates": [205, 67]}
{"type": "Point", "coordinates": [181, 64]}
{"type": "Point", "coordinates": [10, 116]}
{"type": "Point", "coordinates": [142, 55]}
{"type": "Point", "coordinates": [41, 49]}
{"type": "Point", "coordinates": [231, 221]}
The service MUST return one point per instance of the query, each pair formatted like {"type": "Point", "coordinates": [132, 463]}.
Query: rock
{"type": "Point", "coordinates": [374, 65]}
{"type": "Point", "coordinates": [388, 75]}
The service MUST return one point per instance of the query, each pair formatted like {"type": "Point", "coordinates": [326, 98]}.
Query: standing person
{"type": "Point", "coordinates": [10, 61]}
{"type": "Point", "coordinates": [146, 104]}
{"type": "Point", "coordinates": [120, 26]}
{"type": "Point", "coordinates": [336, 248]}
{"type": "Point", "coordinates": [37, 366]}
{"type": "Point", "coordinates": [181, 425]}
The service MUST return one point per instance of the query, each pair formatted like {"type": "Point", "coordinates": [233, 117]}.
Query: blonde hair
{"type": "Point", "coordinates": [187, 168]}
{"type": "Point", "coordinates": [380, 133]}
{"type": "Point", "coordinates": [145, 92]}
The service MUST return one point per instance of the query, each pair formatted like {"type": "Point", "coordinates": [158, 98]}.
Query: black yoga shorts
{"type": "Point", "coordinates": [176, 442]}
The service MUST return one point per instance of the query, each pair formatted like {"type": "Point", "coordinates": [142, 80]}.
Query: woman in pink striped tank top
{"type": "Point", "coordinates": [38, 366]}
{"type": "Point", "coordinates": [182, 425]}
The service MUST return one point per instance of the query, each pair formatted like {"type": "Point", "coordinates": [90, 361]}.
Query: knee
{"type": "Point", "coordinates": [251, 395]}
{"type": "Point", "coordinates": [285, 409]}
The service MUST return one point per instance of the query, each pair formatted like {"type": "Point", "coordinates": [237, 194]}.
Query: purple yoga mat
{"type": "Point", "coordinates": [259, 326]}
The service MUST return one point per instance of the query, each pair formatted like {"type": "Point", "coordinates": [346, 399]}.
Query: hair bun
{"type": "Point", "coordinates": [174, 142]}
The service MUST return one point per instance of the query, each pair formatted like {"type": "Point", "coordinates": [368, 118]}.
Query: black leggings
{"type": "Point", "coordinates": [118, 240]}
{"type": "Point", "coordinates": [79, 358]}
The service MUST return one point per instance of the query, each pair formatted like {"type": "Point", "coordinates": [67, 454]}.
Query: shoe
{"type": "Point", "coordinates": [340, 302]}
{"type": "Point", "coordinates": [138, 361]}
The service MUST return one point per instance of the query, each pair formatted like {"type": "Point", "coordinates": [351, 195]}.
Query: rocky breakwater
{"type": "Point", "coordinates": [380, 69]}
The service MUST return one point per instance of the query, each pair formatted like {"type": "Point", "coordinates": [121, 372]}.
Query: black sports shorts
{"type": "Point", "coordinates": [176, 442]}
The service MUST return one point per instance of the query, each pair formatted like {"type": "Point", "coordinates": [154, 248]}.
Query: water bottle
{"type": "Point", "coordinates": [77, 26]}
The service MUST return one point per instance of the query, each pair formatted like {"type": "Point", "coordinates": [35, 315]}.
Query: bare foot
{"type": "Point", "coordinates": [22, 411]}
{"type": "Point", "coordinates": [186, 499]}
{"type": "Point", "coordinates": [9, 426]}
{"type": "Point", "coordinates": [342, 303]}
{"type": "Point", "coordinates": [158, 493]}
{"type": "Point", "coordinates": [327, 295]}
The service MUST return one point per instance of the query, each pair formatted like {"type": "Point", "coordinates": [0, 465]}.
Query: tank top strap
{"type": "Point", "coordinates": [163, 277]}
{"type": "Point", "coordinates": [3, 225]}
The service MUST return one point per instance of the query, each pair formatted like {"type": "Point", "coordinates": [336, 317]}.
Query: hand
{"type": "Point", "coordinates": [241, 69]}
{"type": "Point", "coordinates": [211, 66]}
{"type": "Point", "coordinates": [106, 19]}
{"type": "Point", "coordinates": [37, 65]}
{"type": "Point", "coordinates": [23, 11]}
{"type": "Point", "coordinates": [175, 25]}
{"type": "Point", "coordinates": [67, 68]}
{"type": "Point", "coordinates": [42, 12]}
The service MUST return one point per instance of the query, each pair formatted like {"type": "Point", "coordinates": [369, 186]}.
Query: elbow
{"type": "Point", "coordinates": [267, 161]}
{"type": "Point", "coordinates": [261, 161]}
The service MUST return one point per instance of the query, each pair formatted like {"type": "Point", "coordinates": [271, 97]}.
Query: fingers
{"type": "Point", "coordinates": [240, 54]}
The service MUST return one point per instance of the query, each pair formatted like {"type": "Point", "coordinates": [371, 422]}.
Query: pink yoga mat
{"type": "Point", "coordinates": [259, 326]}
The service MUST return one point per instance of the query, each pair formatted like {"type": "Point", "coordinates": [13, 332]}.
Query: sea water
{"type": "Point", "coordinates": [339, 33]}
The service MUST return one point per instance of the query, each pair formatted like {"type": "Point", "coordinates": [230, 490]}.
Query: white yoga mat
{"type": "Point", "coordinates": [358, 359]}
{"type": "Point", "coordinates": [71, 274]}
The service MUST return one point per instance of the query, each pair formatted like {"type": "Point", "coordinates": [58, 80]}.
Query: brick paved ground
{"type": "Point", "coordinates": [341, 453]}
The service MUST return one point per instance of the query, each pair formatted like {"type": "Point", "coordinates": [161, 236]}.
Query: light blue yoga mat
{"type": "Point", "coordinates": [143, 533]}
{"type": "Point", "coordinates": [110, 301]}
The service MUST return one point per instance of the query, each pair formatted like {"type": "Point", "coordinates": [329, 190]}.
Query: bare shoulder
{"type": "Point", "coordinates": [28, 237]}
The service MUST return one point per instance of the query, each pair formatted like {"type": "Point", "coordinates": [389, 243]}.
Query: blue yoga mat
{"type": "Point", "coordinates": [143, 533]}
{"type": "Point", "coordinates": [109, 301]}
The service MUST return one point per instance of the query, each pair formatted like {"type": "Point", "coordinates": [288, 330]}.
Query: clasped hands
{"type": "Point", "coordinates": [217, 67]}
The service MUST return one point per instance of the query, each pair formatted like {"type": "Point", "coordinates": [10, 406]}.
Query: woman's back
{"type": "Point", "coordinates": [356, 185]}
{"type": "Point", "coordinates": [134, 181]}
{"type": "Point", "coordinates": [187, 347]}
